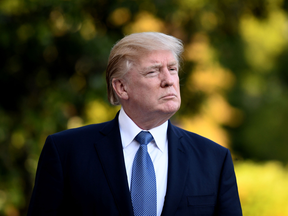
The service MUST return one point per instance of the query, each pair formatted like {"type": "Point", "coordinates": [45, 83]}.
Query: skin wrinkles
{"type": "Point", "coordinates": [149, 92]}
{"type": "Point", "coordinates": [158, 66]}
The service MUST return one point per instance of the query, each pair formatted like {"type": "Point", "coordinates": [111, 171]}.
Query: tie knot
{"type": "Point", "coordinates": [144, 137]}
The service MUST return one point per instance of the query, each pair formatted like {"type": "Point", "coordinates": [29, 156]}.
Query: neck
{"type": "Point", "coordinates": [148, 122]}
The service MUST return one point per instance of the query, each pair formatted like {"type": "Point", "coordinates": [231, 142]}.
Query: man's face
{"type": "Point", "coordinates": [152, 86]}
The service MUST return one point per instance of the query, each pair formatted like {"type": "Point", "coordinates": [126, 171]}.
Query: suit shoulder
{"type": "Point", "coordinates": [81, 130]}
{"type": "Point", "coordinates": [80, 139]}
{"type": "Point", "coordinates": [84, 133]}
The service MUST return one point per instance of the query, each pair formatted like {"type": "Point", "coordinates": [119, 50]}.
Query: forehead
{"type": "Point", "coordinates": [159, 57]}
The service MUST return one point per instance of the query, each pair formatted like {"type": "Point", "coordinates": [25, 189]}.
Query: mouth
{"type": "Point", "coordinates": [168, 96]}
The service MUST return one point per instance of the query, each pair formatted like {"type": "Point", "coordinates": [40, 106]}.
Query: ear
{"type": "Point", "coordinates": [119, 86]}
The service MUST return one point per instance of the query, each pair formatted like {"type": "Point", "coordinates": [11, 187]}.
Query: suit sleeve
{"type": "Point", "coordinates": [228, 198]}
{"type": "Point", "coordinates": [48, 189]}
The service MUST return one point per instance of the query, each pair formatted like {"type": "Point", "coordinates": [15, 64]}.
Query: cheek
{"type": "Point", "coordinates": [177, 87]}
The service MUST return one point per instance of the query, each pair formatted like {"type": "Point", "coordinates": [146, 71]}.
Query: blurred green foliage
{"type": "Point", "coordinates": [263, 188]}
{"type": "Point", "coordinates": [234, 81]}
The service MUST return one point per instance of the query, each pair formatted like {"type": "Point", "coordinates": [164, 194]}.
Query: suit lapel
{"type": "Point", "coordinates": [177, 172]}
{"type": "Point", "coordinates": [110, 153]}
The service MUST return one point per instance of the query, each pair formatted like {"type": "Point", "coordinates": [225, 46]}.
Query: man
{"type": "Point", "coordinates": [101, 170]}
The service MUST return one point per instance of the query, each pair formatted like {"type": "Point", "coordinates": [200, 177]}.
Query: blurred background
{"type": "Point", "coordinates": [234, 83]}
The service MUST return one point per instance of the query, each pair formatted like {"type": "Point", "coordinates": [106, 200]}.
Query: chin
{"type": "Point", "coordinates": [171, 109]}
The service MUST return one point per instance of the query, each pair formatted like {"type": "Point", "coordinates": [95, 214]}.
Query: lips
{"type": "Point", "coordinates": [169, 96]}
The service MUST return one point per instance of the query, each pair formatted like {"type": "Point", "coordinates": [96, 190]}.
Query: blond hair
{"type": "Point", "coordinates": [131, 47]}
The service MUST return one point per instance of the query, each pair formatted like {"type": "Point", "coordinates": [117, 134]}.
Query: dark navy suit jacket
{"type": "Point", "coordinates": [82, 172]}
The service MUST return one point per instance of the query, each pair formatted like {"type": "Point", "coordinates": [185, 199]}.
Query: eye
{"type": "Point", "coordinates": [173, 69]}
{"type": "Point", "coordinates": [152, 73]}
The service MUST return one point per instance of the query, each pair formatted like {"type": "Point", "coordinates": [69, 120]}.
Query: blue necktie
{"type": "Point", "coordinates": [143, 180]}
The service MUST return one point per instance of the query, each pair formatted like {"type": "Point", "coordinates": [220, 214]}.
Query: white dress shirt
{"type": "Point", "coordinates": [157, 149]}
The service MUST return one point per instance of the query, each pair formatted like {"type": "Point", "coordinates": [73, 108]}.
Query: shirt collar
{"type": "Point", "coordinates": [129, 130]}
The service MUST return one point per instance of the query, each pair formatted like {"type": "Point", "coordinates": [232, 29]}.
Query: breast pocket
{"type": "Point", "coordinates": [202, 205]}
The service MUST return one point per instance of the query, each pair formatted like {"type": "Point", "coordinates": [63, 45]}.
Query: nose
{"type": "Point", "coordinates": [167, 79]}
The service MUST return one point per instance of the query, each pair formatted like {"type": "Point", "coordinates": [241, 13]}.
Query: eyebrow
{"type": "Point", "coordinates": [173, 63]}
{"type": "Point", "coordinates": [158, 65]}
